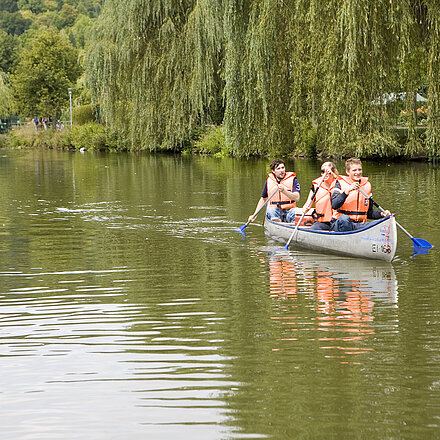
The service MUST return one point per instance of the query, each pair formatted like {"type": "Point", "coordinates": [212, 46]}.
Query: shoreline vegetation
{"type": "Point", "coordinates": [225, 77]}
{"type": "Point", "coordinates": [212, 141]}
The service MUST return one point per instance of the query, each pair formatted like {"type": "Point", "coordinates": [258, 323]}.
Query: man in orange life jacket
{"type": "Point", "coordinates": [351, 207]}
{"type": "Point", "coordinates": [282, 205]}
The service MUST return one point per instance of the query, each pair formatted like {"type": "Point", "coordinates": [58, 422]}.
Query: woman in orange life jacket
{"type": "Point", "coordinates": [282, 205]}
{"type": "Point", "coordinates": [351, 207]}
{"type": "Point", "coordinates": [320, 195]}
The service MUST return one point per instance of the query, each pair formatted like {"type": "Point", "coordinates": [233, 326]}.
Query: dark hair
{"type": "Point", "coordinates": [275, 163]}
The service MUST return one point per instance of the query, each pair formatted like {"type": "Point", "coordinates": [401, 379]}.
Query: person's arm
{"type": "Point", "coordinates": [292, 194]}
{"type": "Point", "coordinates": [261, 202]}
{"type": "Point", "coordinates": [338, 196]}
{"type": "Point", "coordinates": [375, 214]}
{"type": "Point", "coordinates": [309, 201]}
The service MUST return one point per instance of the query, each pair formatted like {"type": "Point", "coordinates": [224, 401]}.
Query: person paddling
{"type": "Point", "coordinates": [351, 207]}
{"type": "Point", "coordinates": [320, 196]}
{"type": "Point", "coordinates": [282, 205]}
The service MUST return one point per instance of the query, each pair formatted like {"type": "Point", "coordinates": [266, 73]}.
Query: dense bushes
{"type": "Point", "coordinates": [212, 141]}
{"type": "Point", "coordinates": [90, 136]}
{"type": "Point", "coordinates": [84, 114]}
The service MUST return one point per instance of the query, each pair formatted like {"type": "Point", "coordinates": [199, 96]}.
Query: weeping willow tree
{"type": "Point", "coordinates": [155, 68]}
{"type": "Point", "coordinates": [359, 67]}
{"type": "Point", "coordinates": [6, 96]}
{"type": "Point", "coordinates": [258, 76]}
{"type": "Point", "coordinates": [433, 130]}
{"type": "Point", "coordinates": [271, 71]}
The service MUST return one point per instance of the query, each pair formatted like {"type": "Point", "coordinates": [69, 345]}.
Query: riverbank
{"type": "Point", "coordinates": [211, 140]}
{"type": "Point", "coordinates": [90, 136]}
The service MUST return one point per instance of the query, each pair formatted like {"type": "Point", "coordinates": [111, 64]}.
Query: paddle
{"type": "Point", "coordinates": [242, 228]}
{"type": "Point", "coordinates": [418, 242]}
{"type": "Point", "coordinates": [286, 247]}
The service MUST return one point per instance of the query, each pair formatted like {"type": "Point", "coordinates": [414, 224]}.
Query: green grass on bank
{"type": "Point", "coordinates": [210, 140]}
{"type": "Point", "coordinates": [90, 136]}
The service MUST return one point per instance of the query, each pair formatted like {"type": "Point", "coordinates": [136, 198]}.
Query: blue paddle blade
{"type": "Point", "coordinates": [420, 243]}
{"type": "Point", "coordinates": [241, 229]}
{"type": "Point", "coordinates": [419, 251]}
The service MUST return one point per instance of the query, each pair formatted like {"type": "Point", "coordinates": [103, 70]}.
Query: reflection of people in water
{"type": "Point", "coordinates": [327, 292]}
{"type": "Point", "coordinates": [343, 306]}
{"type": "Point", "coordinates": [282, 274]}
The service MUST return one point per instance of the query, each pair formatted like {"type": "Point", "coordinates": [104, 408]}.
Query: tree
{"type": "Point", "coordinates": [6, 96]}
{"type": "Point", "coordinates": [8, 47]}
{"type": "Point", "coordinates": [80, 31]}
{"type": "Point", "coordinates": [65, 17]}
{"type": "Point", "coordinates": [46, 68]}
{"type": "Point", "coordinates": [8, 5]}
{"type": "Point", "coordinates": [284, 69]}
{"type": "Point", "coordinates": [155, 69]}
{"type": "Point", "coordinates": [36, 6]}
{"type": "Point", "coordinates": [13, 22]}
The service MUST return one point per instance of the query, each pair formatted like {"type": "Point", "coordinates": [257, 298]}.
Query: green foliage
{"type": "Point", "coordinates": [376, 144]}
{"type": "Point", "coordinates": [79, 32]}
{"type": "Point", "coordinates": [35, 6]}
{"type": "Point", "coordinates": [8, 5]}
{"type": "Point", "coordinates": [214, 142]}
{"type": "Point", "coordinates": [83, 114]}
{"type": "Point", "coordinates": [8, 50]}
{"type": "Point", "coordinates": [297, 77]}
{"type": "Point", "coordinates": [41, 69]}
{"type": "Point", "coordinates": [47, 67]}
{"type": "Point", "coordinates": [6, 97]}
{"type": "Point", "coordinates": [93, 136]}
{"type": "Point", "coordinates": [433, 127]}
{"type": "Point", "coordinates": [305, 140]}
{"type": "Point", "coordinates": [26, 137]}
{"type": "Point", "coordinates": [65, 17]}
{"type": "Point", "coordinates": [90, 136]}
{"type": "Point", "coordinates": [13, 22]}
{"type": "Point", "coordinates": [154, 69]}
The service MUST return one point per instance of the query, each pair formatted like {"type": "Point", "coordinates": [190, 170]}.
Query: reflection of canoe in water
{"type": "Point", "coordinates": [376, 277]}
{"type": "Point", "coordinates": [378, 240]}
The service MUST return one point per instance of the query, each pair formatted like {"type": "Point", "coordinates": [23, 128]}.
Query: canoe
{"type": "Point", "coordinates": [377, 240]}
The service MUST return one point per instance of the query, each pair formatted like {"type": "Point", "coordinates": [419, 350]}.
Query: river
{"type": "Point", "coordinates": [130, 306]}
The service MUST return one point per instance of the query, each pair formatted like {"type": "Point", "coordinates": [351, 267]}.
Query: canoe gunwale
{"type": "Point", "coordinates": [367, 242]}
{"type": "Point", "coordinates": [369, 225]}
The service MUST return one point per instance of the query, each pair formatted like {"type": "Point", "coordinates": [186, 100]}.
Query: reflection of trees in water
{"type": "Point", "coordinates": [325, 299]}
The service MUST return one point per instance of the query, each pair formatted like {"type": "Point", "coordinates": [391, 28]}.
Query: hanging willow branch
{"type": "Point", "coordinates": [272, 71]}
{"type": "Point", "coordinates": [154, 67]}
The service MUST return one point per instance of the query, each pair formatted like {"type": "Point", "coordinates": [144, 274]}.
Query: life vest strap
{"type": "Point", "coordinates": [284, 202]}
{"type": "Point", "coordinates": [342, 211]}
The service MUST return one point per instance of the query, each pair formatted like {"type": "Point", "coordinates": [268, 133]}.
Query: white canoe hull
{"type": "Point", "coordinates": [376, 241]}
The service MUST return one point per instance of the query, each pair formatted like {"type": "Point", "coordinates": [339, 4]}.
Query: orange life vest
{"type": "Point", "coordinates": [323, 200]}
{"type": "Point", "coordinates": [356, 204]}
{"type": "Point", "coordinates": [279, 199]}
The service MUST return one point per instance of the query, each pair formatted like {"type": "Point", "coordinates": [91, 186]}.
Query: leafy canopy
{"type": "Point", "coordinates": [273, 71]}
{"type": "Point", "coordinates": [47, 67]}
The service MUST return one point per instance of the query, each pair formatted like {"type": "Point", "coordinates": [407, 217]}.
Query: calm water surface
{"type": "Point", "coordinates": [131, 308]}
